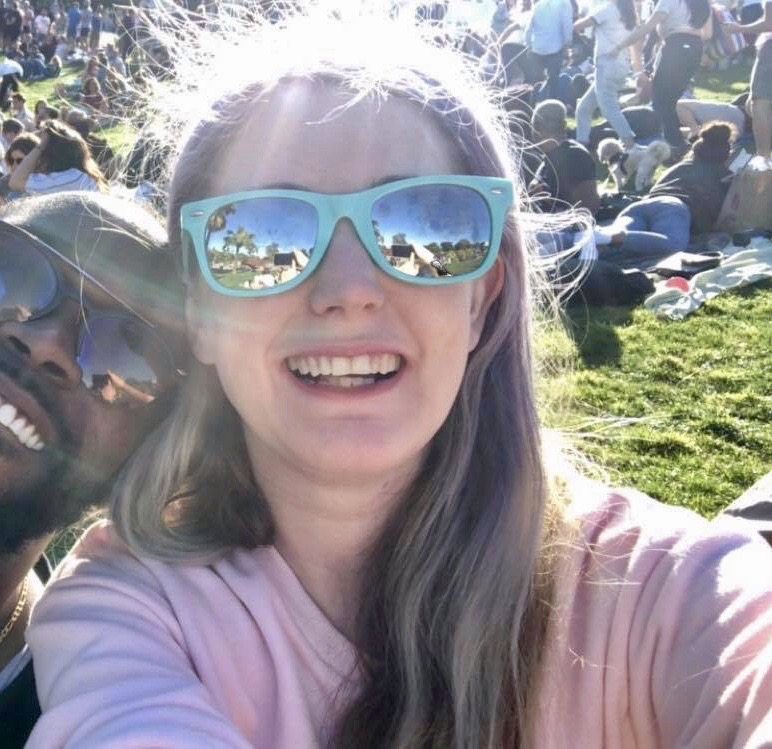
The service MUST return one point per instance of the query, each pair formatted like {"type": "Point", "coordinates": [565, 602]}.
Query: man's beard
{"type": "Point", "coordinates": [64, 488]}
{"type": "Point", "coordinates": [58, 499]}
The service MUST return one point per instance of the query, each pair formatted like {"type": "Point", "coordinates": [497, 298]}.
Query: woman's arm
{"type": "Point", "coordinates": [582, 23]}
{"type": "Point", "coordinates": [18, 180]}
{"type": "Point", "coordinates": [761, 26]}
{"type": "Point", "coordinates": [641, 32]}
{"type": "Point", "coordinates": [111, 660]}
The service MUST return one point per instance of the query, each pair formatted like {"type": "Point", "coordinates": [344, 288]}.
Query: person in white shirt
{"type": "Point", "coordinates": [20, 111]}
{"type": "Point", "coordinates": [61, 162]}
{"type": "Point", "coordinates": [547, 34]}
{"type": "Point", "coordinates": [41, 25]}
{"type": "Point", "coordinates": [682, 24]}
{"type": "Point", "coordinates": [612, 21]}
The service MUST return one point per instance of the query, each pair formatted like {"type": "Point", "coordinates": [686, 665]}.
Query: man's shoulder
{"type": "Point", "coordinates": [576, 157]}
{"type": "Point", "coordinates": [19, 708]}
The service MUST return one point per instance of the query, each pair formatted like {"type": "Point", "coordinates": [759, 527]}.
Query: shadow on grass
{"type": "Point", "coordinates": [593, 329]}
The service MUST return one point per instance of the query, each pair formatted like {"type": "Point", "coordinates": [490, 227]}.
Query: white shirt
{"type": "Point", "coordinates": [70, 179]}
{"type": "Point", "coordinates": [677, 20]}
{"type": "Point", "coordinates": [41, 24]}
{"type": "Point", "coordinates": [610, 32]}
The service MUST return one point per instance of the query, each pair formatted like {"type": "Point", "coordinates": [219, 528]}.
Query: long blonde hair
{"type": "Point", "coordinates": [454, 614]}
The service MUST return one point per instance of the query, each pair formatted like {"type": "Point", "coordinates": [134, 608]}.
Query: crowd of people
{"type": "Point", "coordinates": [307, 405]}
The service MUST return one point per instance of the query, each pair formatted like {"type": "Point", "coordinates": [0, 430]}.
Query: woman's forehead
{"type": "Point", "coordinates": [311, 134]}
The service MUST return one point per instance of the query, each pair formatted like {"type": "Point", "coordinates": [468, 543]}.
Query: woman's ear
{"type": "Point", "coordinates": [485, 291]}
{"type": "Point", "coordinates": [199, 334]}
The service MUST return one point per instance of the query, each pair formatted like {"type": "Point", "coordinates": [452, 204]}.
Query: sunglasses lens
{"type": "Point", "coordinates": [124, 361]}
{"type": "Point", "coordinates": [260, 243]}
{"type": "Point", "coordinates": [27, 280]}
{"type": "Point", "coordinates": [433, 230]}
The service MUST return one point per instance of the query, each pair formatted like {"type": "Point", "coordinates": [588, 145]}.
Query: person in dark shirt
{"type": "Point", "coordinates": [566, 176]}
{"type": "Point", "coordinates": [12, 22]}
{"type": "Point", "coordinates": [686, 200]}
{"type": "Point", "coordinates": [74, 401]}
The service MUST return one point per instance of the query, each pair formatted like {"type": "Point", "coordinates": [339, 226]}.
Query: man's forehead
{"type": "Point", "coordinates": [101, 245]}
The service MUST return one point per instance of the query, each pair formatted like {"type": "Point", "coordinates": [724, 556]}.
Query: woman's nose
{"type": "Point", "coordinates": [347, 281]}
{"type": "Point", "coordinates": [48, 344]}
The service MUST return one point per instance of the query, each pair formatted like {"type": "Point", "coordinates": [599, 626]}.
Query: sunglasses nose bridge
{"type": "Point", "coordinates": [345, 213]}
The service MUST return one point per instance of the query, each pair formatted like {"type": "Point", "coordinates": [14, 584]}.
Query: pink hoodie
{"type": "Point", "coordinates": [662, 637]}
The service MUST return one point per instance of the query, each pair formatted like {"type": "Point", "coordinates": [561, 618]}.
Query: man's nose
{"type": "Point", "coordinates": [48, 344]}
{"type": "Point", "coordinates": [347, 279]}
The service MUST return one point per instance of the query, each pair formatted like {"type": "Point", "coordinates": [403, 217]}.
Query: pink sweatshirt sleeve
{"type": "Point", "coordinates": [664, 634]}
{"type": "Point", "coordinates": [116, 673]}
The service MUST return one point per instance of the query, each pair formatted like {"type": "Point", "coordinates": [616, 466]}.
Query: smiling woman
{"type": "Point", "coordinates": [349, 533]}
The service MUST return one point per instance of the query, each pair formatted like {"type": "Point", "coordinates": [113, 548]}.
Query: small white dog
{"type": "Point", "coordinates": [640, 161]}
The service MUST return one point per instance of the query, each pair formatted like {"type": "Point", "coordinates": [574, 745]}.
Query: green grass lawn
{"type": "Point", "coordinates": [120, 137]}
{"type": "Point", "coordinates": [680, 410]}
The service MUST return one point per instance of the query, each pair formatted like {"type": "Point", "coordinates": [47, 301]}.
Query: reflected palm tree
{"type": "Point", "coordinates": [238, 239]}
{"type": "Point", "coordinates": [217, 221]}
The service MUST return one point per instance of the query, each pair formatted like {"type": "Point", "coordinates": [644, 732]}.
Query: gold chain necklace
{"type": "Point", "coordinates": [6, 630]}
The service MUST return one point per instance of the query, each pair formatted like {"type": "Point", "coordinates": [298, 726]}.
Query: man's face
{"type": "Point", "coordinates": [61, 442]}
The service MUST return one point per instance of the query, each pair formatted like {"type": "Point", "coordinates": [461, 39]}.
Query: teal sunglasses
{"type": "Point", "coordinates": [424, 230]}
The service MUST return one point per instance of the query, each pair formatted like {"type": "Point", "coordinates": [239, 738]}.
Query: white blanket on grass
{"type": "Point", "coordinates": [744, 266]}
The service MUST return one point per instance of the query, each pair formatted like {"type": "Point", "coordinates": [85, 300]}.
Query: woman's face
{"type": "Point", "coordinates": [347, 308]}
{"type": "Point", "coordinates": [13, 160]}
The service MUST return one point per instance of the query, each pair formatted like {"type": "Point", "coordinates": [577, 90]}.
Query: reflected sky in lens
{"type": "Point", "coordinates": [261, 227]}
{"type": "Point", "coordinates": [432, 214]}
{"type": "Point", "coordinates": [28, 282]}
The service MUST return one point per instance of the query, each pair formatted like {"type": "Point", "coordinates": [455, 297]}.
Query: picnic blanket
{"type": "Point", "coordinates": [744, 266]}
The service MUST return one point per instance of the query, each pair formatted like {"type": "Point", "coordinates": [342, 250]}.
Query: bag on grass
{"type": "Point", "coordinates": [748, 204]}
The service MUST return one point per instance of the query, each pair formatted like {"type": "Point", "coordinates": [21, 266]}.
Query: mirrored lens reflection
{"type": "Point", "coordinates": [27, 281]}
{"type": "Point", "coordinates": [260, 243]}
{"type": "Point", "coordinates": [433, 230]}
{"type": "Point", "coordinates": [123, 361]}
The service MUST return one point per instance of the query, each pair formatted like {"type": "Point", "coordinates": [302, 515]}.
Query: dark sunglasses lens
{"type": "Point", "coordinates": [433, 230]}
{"type": "Point", "coordinates": [124, 361]}
{"type": "Point", "coordinates": [28, 281]}
{"type": "Point", "coordinates": [260, 243]}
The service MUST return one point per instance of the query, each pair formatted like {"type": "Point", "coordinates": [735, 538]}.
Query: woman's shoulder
{"type": "Point", "coordinates": [607, 518]}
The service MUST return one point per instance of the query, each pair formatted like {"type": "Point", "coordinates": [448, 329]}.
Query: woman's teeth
{"type": "Point", "coordinates": [17, 423]}
{"type": "Point", "coordinates": [344, 371]}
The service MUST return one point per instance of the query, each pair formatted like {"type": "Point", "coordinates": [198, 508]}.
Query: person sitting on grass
{"type": "Point", "coordinates": [686, 200]}
{"type": "Point", "coordinates": [60, 162]}
{"type": "Point", "coordinates": [92, 97]}
{"type": "Point", "coordinates": [8, 131]}
{"type": "Point", "coordinates": [20, 112]}
{"type": "Point", "coordinates": [19, 148]}
{"type": "Point", "coordinates": [567, 176]}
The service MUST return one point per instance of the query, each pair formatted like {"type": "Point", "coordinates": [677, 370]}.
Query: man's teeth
{"type": "Point", "coordinates": [345, 371]}
{"type": "Point", "coordinates": [17, 423]}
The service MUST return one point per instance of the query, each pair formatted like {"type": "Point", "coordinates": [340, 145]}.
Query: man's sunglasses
{"type": "Point", "coordinates": [425, 230]}
{"type": "Point", "coordinates": [122, 358]}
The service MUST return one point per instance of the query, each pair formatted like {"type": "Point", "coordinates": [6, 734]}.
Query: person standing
{"type": "Point", "coordinates": [73, 23]}
{"type": "Point", "coordinates": [547, 34]}
{"type": "Point", "coordinates": [96, 29]}
{"type": "Point", "coordinates": [85, 24]}
{"type": "Point", "coordinates": [761, 79]}
{"type": "Point", "coordinates": [611, 22]}
{"type": "Point", "coordinates": [682, 24]}
{"type": "Point", "coordinates": [12, 22]}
